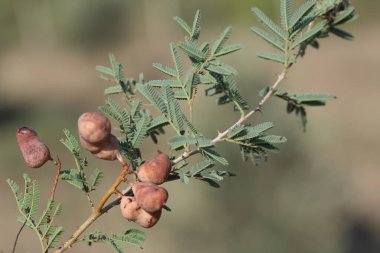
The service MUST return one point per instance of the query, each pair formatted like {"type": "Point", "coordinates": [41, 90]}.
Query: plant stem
{"type": "Point", "coordinates": [97, 212]}
{"type": "Point", "coordinates": [242, 119]}
{"type": "Point", "coordinates": [59, 165]}
{"type": "Point", "coordinates": [17, 236]}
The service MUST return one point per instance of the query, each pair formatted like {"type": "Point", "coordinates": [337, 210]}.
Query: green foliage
{"type": "Point", "coordinates": [312, 20]}
{"type": "Point", "coordinates": [77, 177]}
{"type": "Point", "coordinates": [296, 103]}
{"type": "Point", "coordinates": [132, 236]}
{"type": "Point", "coordinates": [254, 143]}
{"type": "Point", "coordinates": [115, 74]}
{"type": "Point", "coordinates": [28, 205]}
{"type": "Point", "coordinates": [72, 144]}
{"type": "Point", "coordinates": [146, 108]}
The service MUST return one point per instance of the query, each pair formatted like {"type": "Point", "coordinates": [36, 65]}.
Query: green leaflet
{"type": "Point", "coordinates": [211, 153]}
{"type": "Point", "coordinates": [192, 51]}
{"type": "Point", "coordinates": [285, 13]}
{"type": "Point", "coordinates": [95, 179]}
{"type": "Point", "coordinates": [177, 142]}
{"type": "Point", "coordinates": [201, 166]}
{"type": "Point", "coordinates": [196, 29]}
{"type": "Point", "coordinates": [345, 16]}
{"type": "Point", "coordinates": [166, 70]}
{"type": "Point", "coordinates": [219, 44]}
{"type": "Point", "coordinates": [296, 102]}
{"type": "Point", "coordinates": [113, 90]}
{"type": "Point", "coordinates": [132, 236]}
{"type": "Point", "coordinates": [174, 113]}
{"type": "Point", "coordinates": [184, 177]}
{"type": "Point", "coordinates": [152, 95]}
{"type": "Point", "coordinates": [116, 74]}
{"type": "Point", "coordinates": [75, 178]}
{"type": "Point", "coordinates": [235, 131]}
{"type": "Point", "coordinates": [269, 23]}
{"type": "Point", "coordinates": [269, 38]}
{"type": "Point", "coordinates": [309, 35]}
{"type": "Point", "coordinates": [141, 130]}
{"type": "Point", "coordinates": [177, 61]}
{"type": "Point", "coordinates": [301, 12]}
{"type": "Point", "coordinates": [216, 175]}
{"type": "Point", "coordinates": [228, 49]}
{"type": "Point", "coordinates": [260, 128]}
{"type": "Point", "coordinates": [207, 78]}
{"type": "Point", "coordinates": [222, 69]}
{"type": "Point", "coordinates": [342, 34]}
{"type": "Point", "coordinates": [272, 139]}
{"type": "Point", "coordinates": [183, 24]}
{"type": "Point", "coordinates": [275, 57]}
{"type": "Point", "coordinates": [54, 237]}
{"type": "Point", "coordinates": [28, 204]}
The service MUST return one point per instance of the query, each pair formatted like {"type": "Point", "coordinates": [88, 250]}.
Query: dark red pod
{"type": "Point", "coordinates": [109, 149]}
{"type": "Point", "coordinates": [35, 152]}
{"type": "Point", "coordinates": [156, 170]}
{"type": "Point", "coordinates": [150, 197]}
{"type": "Point", "coordinates": [94, 127]}
{"type": "Point", "coordinates": [133, 212]}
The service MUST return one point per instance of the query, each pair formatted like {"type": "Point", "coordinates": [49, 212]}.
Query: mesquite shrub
{"type": "Point", "coordinates": [140, 110]}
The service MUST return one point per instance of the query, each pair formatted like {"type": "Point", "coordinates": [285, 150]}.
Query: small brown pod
{"type": "Point", "coordinates": [150, 197]}
{"type": "Point", "coordinates": [35, 153]}
{"type": "Point", "coordinates": [109, 149]}
{"type": "Point", "coordinates": [93, 148]}
{"type": "Point", "coordinates": [133, 212]}
{"type": "Point", "coordinates": [94, 127]}
{"type": "Point", "coordinates": [156, 170]}
{"type": "Point", "coordinates": [129, 208]}
{"type": "Point", "coordinates": [147, 220]}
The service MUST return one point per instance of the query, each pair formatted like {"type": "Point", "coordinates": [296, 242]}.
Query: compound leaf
{"type": "Point", "coordinates": [269, 23]}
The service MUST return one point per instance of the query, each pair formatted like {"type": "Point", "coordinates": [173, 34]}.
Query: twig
{"type": "Point", "coordinates": [59, 166]}
{"type": "Point", "coordinates": [17, 236]}
{"type": "Point", "coordinates": [242, 119]}
{"type": "Point", "coordinates": [99, 210]}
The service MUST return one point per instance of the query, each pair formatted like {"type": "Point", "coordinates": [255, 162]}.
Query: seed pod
{"type": "Point", "coordinates": [156, 170]}
{"type": "Point", "coordinates": [147, 220]}
{"type": "Point", "coordinates": [93, 148]}
{"type": "Point", "coordinates": [94, 127]}
{"type": "Point", "coordinates": [109, 149]}
{"type": "Point", "coordinates": [150, 197]}
{"type": "Point", "coordinates": [35, 153]}
{"type": "Point", "coordinates": [133, 212]}
{"type": "Point", "coordinates": [129, 208]}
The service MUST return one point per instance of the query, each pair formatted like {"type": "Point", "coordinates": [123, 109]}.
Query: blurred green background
{"type": "Point", "coordinates": [320, 194]}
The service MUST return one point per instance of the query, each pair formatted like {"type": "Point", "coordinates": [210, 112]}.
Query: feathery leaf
{"type": "Point", "coordinates": [219, 44]}
{"type": "Point", "coordinates": [301, 12]}
{"type": "Point", "coordinates": [196, 29]}
{"type": "Point", "coordinates": [177, 61]}
{"type": "Point", "coordinates": [228, 49]}
{"type": "Point", "coordinates": [169, 71]}
{"type": "Point", "coordinates": [269, 38]}
{"type": "Point", "coordinates": [285, 13]}
{"type": "Point", "coordinates": [269, 23]}
{"type": "Point", "coordinates": [183, 24]}
{"type": "Point", "coordinates": [309, 34]}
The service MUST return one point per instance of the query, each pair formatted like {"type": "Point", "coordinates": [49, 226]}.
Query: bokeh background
{"type": "Point", "coordinates": [320, 194]}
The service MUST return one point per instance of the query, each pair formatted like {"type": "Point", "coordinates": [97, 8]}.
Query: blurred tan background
{"type": "Point", "coordinates": [320, 194]}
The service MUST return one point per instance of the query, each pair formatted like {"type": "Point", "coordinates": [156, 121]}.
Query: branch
{"type": "Point", "coordinates": [59, 165]}
{"type": "Point", "coordinates": [98, 211]}
{"type": "Point", "coordinates": [242, 119]}
{"type": "Point", "coordinates": [18, 235]}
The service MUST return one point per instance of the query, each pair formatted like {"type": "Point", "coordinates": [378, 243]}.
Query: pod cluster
{"type": "Point", "coordinates": [146, 206]}
{"type": "Point", "coordinates": [95, 135]}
